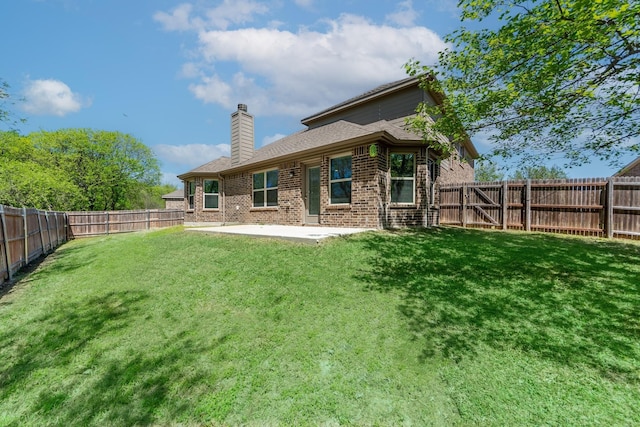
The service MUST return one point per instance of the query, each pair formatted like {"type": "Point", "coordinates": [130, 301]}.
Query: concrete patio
{"type": "Point", "coordinates": [303, 234]}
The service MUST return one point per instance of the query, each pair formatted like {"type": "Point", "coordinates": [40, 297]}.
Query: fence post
{"type": "Point", "coordinates": [148, 219]}
{"type": "Point", "coordinates": [62, 236]}
{"type": "Point", "coordinates": [7, 246]}
{"type": "Point", "coordinates": [67, 228]}
{"type": "Point", "coordinates": [26, 235]}
{"type": "Point", "coordinates": [463, 212]}
{"type": "Point", "coordinates": [46, 221]}
{"type": "Point", "coordinates": [55, 218]}
{"type": "Point", "coordinates": [44, 249]}
{"type": "Point", "coordinates": [505, 206]}
{"type": "Point", "coordinates": [107, 215]}
{"type": "Point", "coordinates": [609, 208]}
{"type": "Point", "coordinates": [527, 206]}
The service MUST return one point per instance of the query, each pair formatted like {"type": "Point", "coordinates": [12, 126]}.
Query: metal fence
{"type": "Point", "coordinates": [604, 207]}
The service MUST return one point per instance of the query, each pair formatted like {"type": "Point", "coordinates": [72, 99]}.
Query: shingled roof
{"type": "Point", "coordinates": [177, 194]}
{"type": "Point", "coordinates": [218, 165]}
{"type": "Point", "coordinates": [332, 135]}
{"type": "Point", "coordinates": [307, 140]}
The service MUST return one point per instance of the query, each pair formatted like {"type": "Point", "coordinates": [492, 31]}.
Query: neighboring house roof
{"type": "Point", "coordinates": [306, 140]}
{"type": "Point", "coordinates": [629, 167]}
{"type": "Point", "coordinates": [178, 194]}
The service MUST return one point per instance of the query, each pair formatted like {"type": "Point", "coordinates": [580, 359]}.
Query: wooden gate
{"type": "Point", "coordinates": [606, 207]}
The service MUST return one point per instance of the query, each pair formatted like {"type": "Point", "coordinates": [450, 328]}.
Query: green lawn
{"type": "Point", "coordinates": [439, 327]}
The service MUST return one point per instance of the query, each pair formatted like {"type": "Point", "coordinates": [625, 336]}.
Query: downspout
{"type": "Point", "coordinates": [428, 202]}
{"type": "Point", "coordinates": [224, 193]}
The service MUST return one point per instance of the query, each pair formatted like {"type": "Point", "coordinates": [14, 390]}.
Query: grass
{"type": "Point", "coordinates": [436, 327]}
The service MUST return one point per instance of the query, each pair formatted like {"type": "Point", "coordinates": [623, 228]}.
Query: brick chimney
{"type": "Point", "coordinates": [241, 135]}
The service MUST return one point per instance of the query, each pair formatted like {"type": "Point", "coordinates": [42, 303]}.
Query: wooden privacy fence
{"type": "Point", "coordinates": [84, 224]}
{"type": "Point", "coordinates": [25, 235]}
{"type": "Point", "coordinates": [604, 207]}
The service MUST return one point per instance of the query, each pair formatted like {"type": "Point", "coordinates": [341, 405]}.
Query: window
{"type": "Point", "coordinates": [403, 177]}
{"type": "Point", "coordinates": [265, 189]}
{"type": "Point", "coordinates": [340, 179]}
{"type": "Point", "coordinates": [211, 193]}
{"type": "Point", "coordinates": [434, 170]}
{"type": "Point", "coordinates": [191, 192]}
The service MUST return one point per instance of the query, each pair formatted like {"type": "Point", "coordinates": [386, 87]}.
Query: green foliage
{"type": "Point", "coordinates": [75, 169]}
{"type": "Point", "coordinates": [7, 117]}
{"type": "Point", "coordinates": [151, 197]}
{"type": "Point", "coordinates": [539, 172]}
{"type": "Point", "coordinates": [558, 77]}
{"type": "Point", "coordinates": [486, 170]}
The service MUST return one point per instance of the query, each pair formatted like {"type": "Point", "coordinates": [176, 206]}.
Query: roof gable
{"type": "Point", "coordinates": [377, 93]}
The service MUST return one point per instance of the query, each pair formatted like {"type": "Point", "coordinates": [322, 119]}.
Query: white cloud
{"type": "Point", "coordinates": [213, 90]}
{"type": "Point", "coordinates": [177, 20]}
{"type": "Point", "coordinates": [220, 17]}
{"type": "Point", "coordinates": [273, 138]}
{"type": "Point", "coordinates": [190, 155]}
{"type": "Point", "coordinates": [405, 16]}
{"type": "Point", "coordinates": [51, 97]}
{"type": "Point", "coordinates": [190, 70]}
{"type": "Point", "coordinates": [296, 73]}
{"type": "Point", "coordinates": [235, 12]}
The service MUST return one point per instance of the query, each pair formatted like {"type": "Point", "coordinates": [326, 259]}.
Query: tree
{"type": "Point", "coordinates": [486, 170]}
{"type": "Point", "coordinates": [27, 179]}
{"type": "Point", "coordinates": [557, 77]}
{"type": "Point", "coordinates": [6, 115]}
{"type": "Point", "coordinates": [75, 169]}
{"type": "Point", "coordinates": [151, 197]}
{"type": "Point", "coordinates": [539, 172]}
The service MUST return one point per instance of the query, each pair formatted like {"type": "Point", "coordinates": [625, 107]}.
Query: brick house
{"type": "Point", "coordinates": [632, 169]}
{"type": "Point", "coordinates": [174, 200]}
{"type": "Point", "coordinates": [355, 165]}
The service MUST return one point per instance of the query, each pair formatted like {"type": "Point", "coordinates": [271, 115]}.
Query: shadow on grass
{"type": "Point", "coordinates": [573, 301]}
{"type": "Point", "coordinates": [63, 264]}
{"type": "Point", "coordinates": [54, 360]}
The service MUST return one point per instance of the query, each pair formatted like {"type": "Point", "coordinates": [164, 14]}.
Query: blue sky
{"type": "Point", "coordinates": [171, 72]}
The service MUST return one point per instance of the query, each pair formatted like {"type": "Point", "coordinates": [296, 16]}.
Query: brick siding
{"type": "Point", "coordinates": [453, 170]}
{"type": "Point", "coordinates": [370, 205]}
{"type": "Point", "coordinates": [634, 171]}
{"type": "Point", "coordinates": [174, 203]}
{"type": "Point", "coordinates": [198, 214]}
{"type": "Point", "coordinates": [365, 196]}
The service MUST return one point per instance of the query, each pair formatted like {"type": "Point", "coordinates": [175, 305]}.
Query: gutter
{"type": "Point", "coordinates": [376, 136]}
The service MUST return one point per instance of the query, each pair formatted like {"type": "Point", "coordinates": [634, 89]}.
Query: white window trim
{"type": "Point", "coordinates": [191, 197]}
{"type": "Point", "coordinates": [204, 195]}
{"type": "Point", "coordinates": [265, 189]}
{"type": "Point", "coordinates": [403, 178]}
{"type": "Point", "coordinates": [331, 181]}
